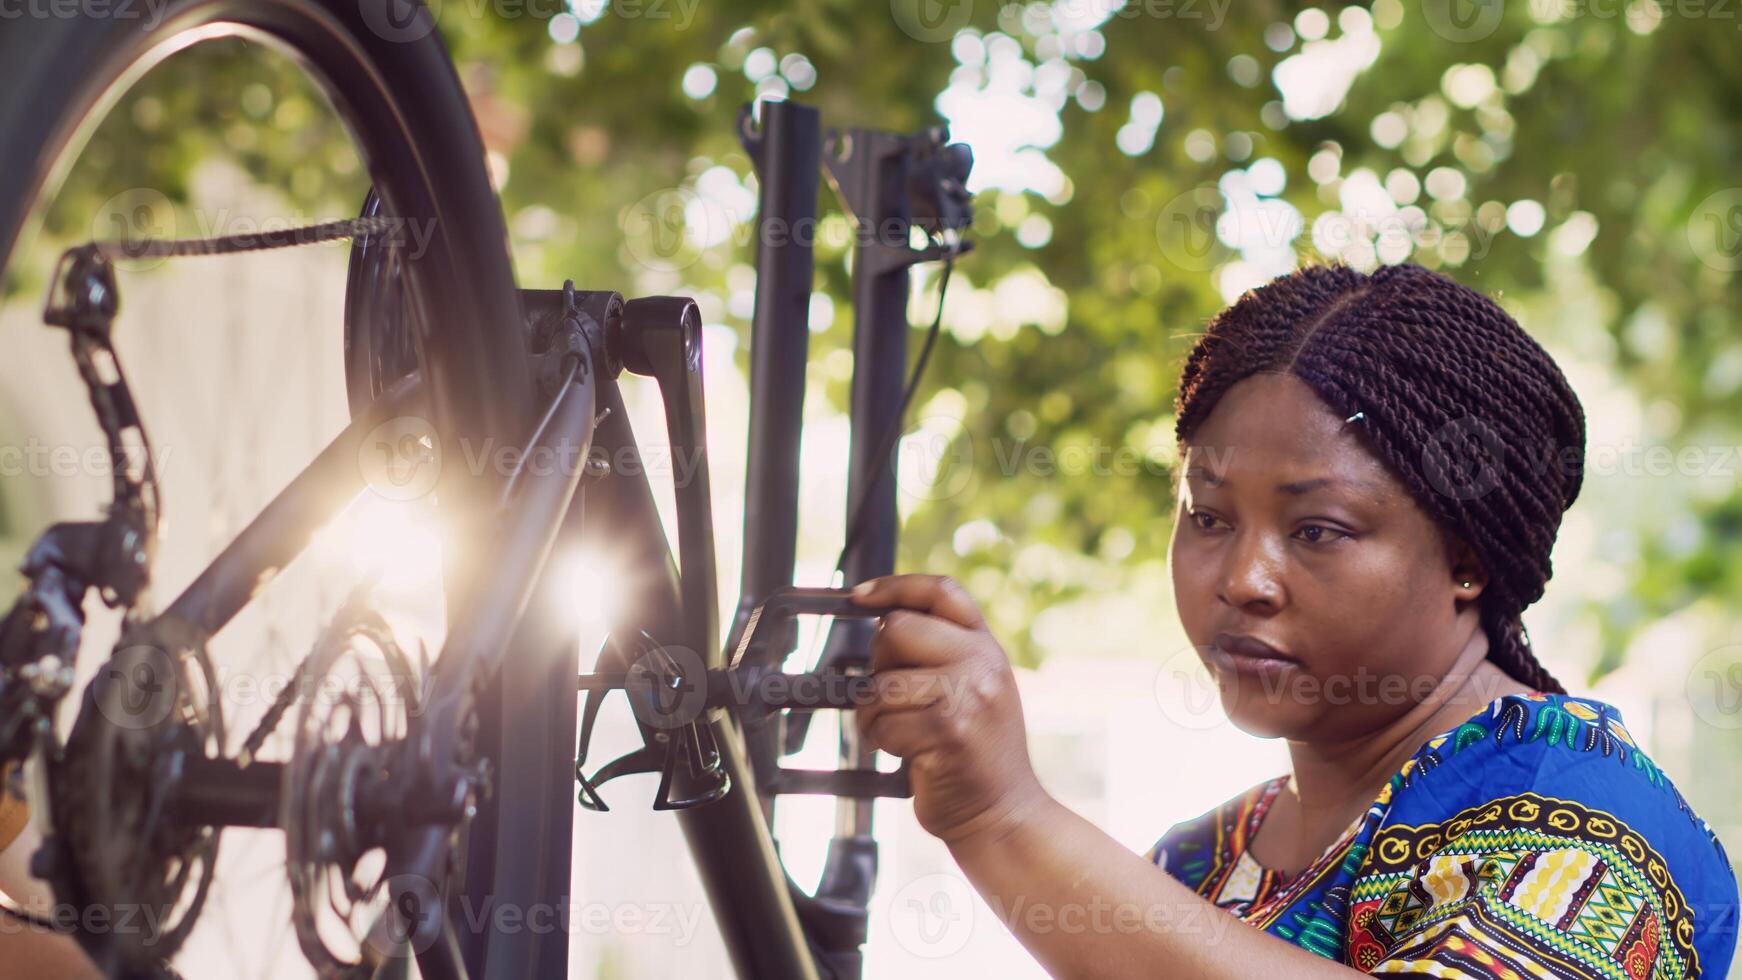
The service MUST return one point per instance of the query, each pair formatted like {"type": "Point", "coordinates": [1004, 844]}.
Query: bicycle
{"type": "Point", "coordinates": [456, 776]}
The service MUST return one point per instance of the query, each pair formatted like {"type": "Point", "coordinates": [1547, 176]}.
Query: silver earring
{"type": "Point", "coordinates": [1465, 584]}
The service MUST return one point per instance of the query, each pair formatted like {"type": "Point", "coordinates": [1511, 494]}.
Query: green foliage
{"type": "Point", "coordinates": [1614, 121]}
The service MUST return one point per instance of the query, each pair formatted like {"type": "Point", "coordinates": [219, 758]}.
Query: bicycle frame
{"type": "Point", "coordinates": [504, 658]}
{"type": "Point", "coordinates": [771, 928]}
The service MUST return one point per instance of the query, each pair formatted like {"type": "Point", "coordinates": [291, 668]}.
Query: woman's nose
{"type": "Point", "coordinates": [1250, 573]}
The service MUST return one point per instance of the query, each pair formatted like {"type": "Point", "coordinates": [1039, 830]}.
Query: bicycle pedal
{"type": "Point", "coordinates": [766, 639]}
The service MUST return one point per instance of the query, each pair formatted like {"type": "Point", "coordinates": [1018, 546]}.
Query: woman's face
{"type": "Point", "coordinates": [1290, 532]}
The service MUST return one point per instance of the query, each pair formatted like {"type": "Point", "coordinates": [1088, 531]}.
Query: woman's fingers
{"type": "Point", "coordinates": [915, 639]}
{"type": "Point", "coordinates": [898, 691]}
{"type": "Point", "coordinates": [901, 733]}
{"type": "Point", "coordinates": [939, 595]}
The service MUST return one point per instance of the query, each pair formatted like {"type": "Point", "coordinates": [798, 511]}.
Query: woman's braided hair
{"type": "Point", "coordinates": [1468, 411]}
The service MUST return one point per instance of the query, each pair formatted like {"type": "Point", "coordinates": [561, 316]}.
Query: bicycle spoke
{"type": "Point", "coordinates": [284, 527]}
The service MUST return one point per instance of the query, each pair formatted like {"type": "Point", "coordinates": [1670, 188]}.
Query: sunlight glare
{"type": "Point", "coordinates": [398, 542]}
{"type": "Point", "coordinates": [589, 589]}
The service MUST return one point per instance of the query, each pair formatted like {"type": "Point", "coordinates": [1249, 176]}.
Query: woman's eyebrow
{"type": "Point", "coordinates": [1198, 472]}
{"type": "Point", "coordinates": [1293, 488]}
{"type": "Point", "coordinates": [1299, 487]}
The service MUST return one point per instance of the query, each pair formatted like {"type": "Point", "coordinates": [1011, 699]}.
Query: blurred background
{"type": "Point", "coordinates": [1138, 165]}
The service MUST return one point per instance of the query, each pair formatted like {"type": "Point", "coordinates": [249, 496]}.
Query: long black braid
{"type": "Point", "coordinates": [1468, 411]}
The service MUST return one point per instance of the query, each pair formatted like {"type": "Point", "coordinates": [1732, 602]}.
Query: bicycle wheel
{"type": "Point", "coordinates": [389, 78]}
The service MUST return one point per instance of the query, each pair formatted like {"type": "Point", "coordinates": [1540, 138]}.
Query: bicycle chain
{"type": "Point", "coordinates": [327, 231]}
{"type": "Point", "coordinates": [232, 245]}
{"type": "Point", "coordinates": [274, 715]}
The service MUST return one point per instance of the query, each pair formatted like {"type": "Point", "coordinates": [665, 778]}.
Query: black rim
{"type": "Point", "coordinates": [408, 116]}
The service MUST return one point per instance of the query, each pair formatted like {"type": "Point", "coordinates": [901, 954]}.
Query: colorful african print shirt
{"type": "Point", "coordinates": [1533, 841]}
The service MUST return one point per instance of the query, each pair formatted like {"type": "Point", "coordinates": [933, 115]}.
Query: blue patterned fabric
{"type": "Point", "coordinates": [1535, 840]}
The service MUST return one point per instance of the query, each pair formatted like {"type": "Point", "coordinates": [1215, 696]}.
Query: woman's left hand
{"type": "Point", "coordinates": [947, 702]}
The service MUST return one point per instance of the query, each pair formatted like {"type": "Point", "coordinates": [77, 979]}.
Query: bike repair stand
{"type": "Point", "coordinates": [891, 185]}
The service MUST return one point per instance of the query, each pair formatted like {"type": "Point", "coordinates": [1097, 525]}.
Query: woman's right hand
{"type": "Point", "coordinates": [947, 703]}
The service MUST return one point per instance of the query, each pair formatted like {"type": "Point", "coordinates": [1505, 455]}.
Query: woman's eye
{"type": "Point", "coordinates": [1203, 521]}
{"type": "Point", "coordinates": [1326, 535]}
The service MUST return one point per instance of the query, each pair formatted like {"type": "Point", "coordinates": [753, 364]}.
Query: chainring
{"type": "Point", "coordinates": [121, 846]}
{"type": "Point", "coordinates": [362, 692]}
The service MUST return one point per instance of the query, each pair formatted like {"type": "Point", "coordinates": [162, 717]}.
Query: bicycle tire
{"type": "Point", "coordinates": [388, 75]}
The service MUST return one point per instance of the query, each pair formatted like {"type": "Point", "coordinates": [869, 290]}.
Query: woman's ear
{"type": "Point", "coordinates": [1468, 578]}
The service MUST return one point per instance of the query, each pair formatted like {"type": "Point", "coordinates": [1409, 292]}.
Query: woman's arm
{"type": "Point", "coordinates": [27, 949]}
{"type": "Point", "coordinates": [1086, 906]}
{"type": "Point", "coordinates": [1081, 902]}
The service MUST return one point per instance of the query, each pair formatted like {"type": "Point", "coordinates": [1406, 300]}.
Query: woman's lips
{"type": "Point", "coordinates": [1249, 655]}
